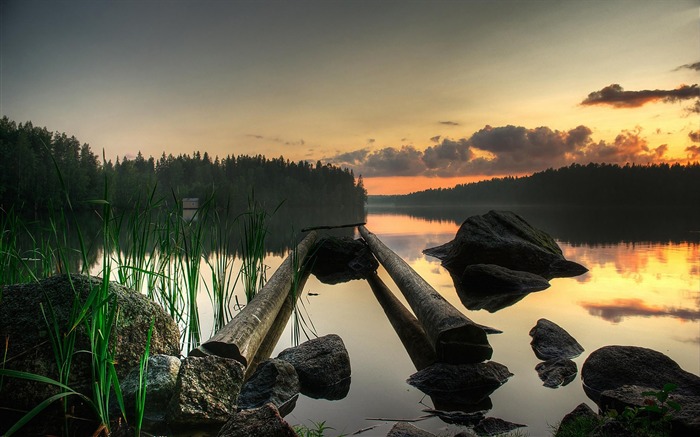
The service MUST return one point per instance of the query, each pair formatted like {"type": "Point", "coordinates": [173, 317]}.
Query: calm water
{"type": "Point", "coordinates": [642, 289]}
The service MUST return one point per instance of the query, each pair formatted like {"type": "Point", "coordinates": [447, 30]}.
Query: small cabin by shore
{"type": "Point", "coordinates": [189, 207]}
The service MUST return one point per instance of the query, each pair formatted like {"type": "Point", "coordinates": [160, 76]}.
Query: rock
{"type": "Point", "coordinates": [494, 426]}
{"type": "Point", "coordinates": [274, 381]}
{"type": "Point", "coordinates": [461, 383]}
{"type": "Point", "coordinates": [29, 348]}
{"type": "Point", "coordinates": [160, 385]}
{"type": "Point", "coordinates": [492, 287]}
{"type": "Point", "coordinates": [263, 421]}
{"type": "Point", "coordinates": [549, 340]}
{"type": "Point", "coordinates": [505, 239]}
{"type": "Point", "coordinates": [403, 429]}
{"type": "Point", "coordinates": [492, 278]}
{"type": "Point", "coordinates": [457, 417]}
{"type": "Point", "coordinates": [582, 411]}
{"type": "Point", "coordinates": [685, 421]}
{"type": "Point", "coordinates": [611, 367]}
{"type": "Point", "coordinates": [322, 364]}
{"type": "Point", "coordinates": [556, 372]}
{"type": "Point", "coordinates": [206, 391]}
{"type": "Point", "coordinates": [342, 259]}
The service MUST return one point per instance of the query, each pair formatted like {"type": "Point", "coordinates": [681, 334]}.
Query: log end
{"type": "Point", "coordinates": [221, 349]}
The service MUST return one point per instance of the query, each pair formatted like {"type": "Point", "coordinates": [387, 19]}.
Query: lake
{"type": "Point", "coordinates": [642, 289]}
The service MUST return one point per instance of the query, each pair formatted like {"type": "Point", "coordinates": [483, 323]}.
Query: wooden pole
{"type": "Point", "coordinates": [454, 336]}
{"type": "Point", "coordinates": [407, 327]}
{"type": "Point", "coordinates": [275, 332]}
{"type": "Point", "coordinates": [243, 335]}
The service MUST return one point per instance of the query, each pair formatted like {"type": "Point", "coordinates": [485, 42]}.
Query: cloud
{"type": "Point", "coordinates": [616, 310]}
{"type": "Point", "coordinates": [694, 136]}
{"type": "Point", "coordinates": [693, 152]}
{"type": "Point", "coordinates": [502, 150]}
{"type": "Point", "coordinates": [257, 137]}
{"type": "Point", "coordinates": [615, 96]}
{"type": "Point", "coordinates": [695, 66]}
{"type": "Point", "coordinates": [449, 123]}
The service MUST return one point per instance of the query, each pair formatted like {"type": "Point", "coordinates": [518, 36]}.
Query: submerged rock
{"type": "Point", "coordinates": [263, 421]}
{"type": "Point", "coordinates": [550, 340]}
{"type": "Point", "coordinates": [556, 372]}
{"type": "Point", "coordinates": [495, 279]}
{"type": "Point", "coordinates": [323, 366]}
{"type": "Point", "coordinates": [461, 383]}
{"type": "Point", "coordinates": [495, 426]}
{"type": "Point", "coordinates": [342, 259]}
{"type": "Point", "coordinates": [506, 239]}
{"type": "Point", "coordinates": [274, 381]}
{"type": "Point", "coordinates": [206, 392]}
{"type": "Point", "coordinates": [403, 429]}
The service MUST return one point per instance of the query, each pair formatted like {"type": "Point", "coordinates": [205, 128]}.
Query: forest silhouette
{"type": "Point", "coordinates": [576, 185]}
{"type": "Point", "coordinates": [38, 168]}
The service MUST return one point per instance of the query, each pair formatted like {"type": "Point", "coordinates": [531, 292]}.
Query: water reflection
{"type": "Point", "coordinates": [616, 310]}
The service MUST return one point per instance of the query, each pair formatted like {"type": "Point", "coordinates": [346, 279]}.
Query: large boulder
{"type": "Point", "coordinates": [550, 340]}
{"type": "Point", "coordinates": [460, 383]}
{"type": "Point", "coordinates": [29, 348]}
{"type": "Point", "coordinates": [342, 259]}
{"type": "Point", "coordinates": [262, 421]}
{"type": "Point", "coordinates": [323, 366]}
{"type": "Point", "coordinates": [505, 239]}
{"type": "Point", "coordinates": [206, 392]}
{"type": "Point", "coordinates": [274, 381]}
{"type": "Point", "coordinates": [618, 376]}
{"type": "Point", "coordinates": [611, 367]}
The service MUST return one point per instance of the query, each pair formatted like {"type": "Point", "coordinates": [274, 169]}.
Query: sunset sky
{"type": "Point", "coordinates": [410, 94]}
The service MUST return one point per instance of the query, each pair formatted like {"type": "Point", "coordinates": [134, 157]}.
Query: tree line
{"type": "Point", "coordinates": [576, 185]}
{"type": "Point", "coordinates": [40, 169]}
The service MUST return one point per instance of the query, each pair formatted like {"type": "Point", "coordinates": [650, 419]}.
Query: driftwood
{"type": "Point", "coordinates": [277, 328]}
{"type": "Point", "coordinates": [350, 225]}
{"type": "Point", "coordinates": [407, 327]}
{"type": "Point", "coordinates": [455, 337]}
{"type": "Point", "coordinates": [241, 338]}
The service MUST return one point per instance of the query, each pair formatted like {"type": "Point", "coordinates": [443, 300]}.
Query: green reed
{"type": "Point", "coordinates": [223, 283]}
{"type": "Point", "coordinates": [252, 248]}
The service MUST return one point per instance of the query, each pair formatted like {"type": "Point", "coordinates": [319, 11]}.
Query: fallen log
{"type": "Point", "coordinates": [454, 336]}
{"type": "Point", "coordinates": [275, 332]}
{"type": "Point", "coordinates": [241, 338]}
{"type": "Point", "coordinates": [407, 327]}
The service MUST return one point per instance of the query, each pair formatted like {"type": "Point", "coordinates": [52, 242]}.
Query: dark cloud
{"type": "Point", "coordinates": [449, 123]}
{"type": "Point", "coordinates": [694, 108]}
{"type": "Point", "coordinates": [693, 152]}
{"type": "Point", "coordinates": [370, 140]}
{"type": "Point", "coordinates": [436, 138]}
{"type": "Point", "coordinates": [615, 311]}
{"type": "Point", "coordinates": [257, 137]}
{"type": "Point", "coordinates": [615, 96]}
{"type": "Point", "coordinates": [503, 150]}
{"type": "Point", "coordinates": [695, 66]}
{"type": "Point", "coordinates": [448, 157]}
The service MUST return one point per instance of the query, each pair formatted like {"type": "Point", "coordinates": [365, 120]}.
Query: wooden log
{"type": "Point", "coordinates": [277, 328]}
{"type": "Point", "coordinates": [243, 335]}
{"type": "Point", "coordinates": [407, 327]}
{"type": "Point", "coordinates": [454, 336]}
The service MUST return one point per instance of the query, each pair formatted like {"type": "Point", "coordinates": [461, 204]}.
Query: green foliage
{"type": "Point", "coordinates": [318, 429]}
{"type": "Point", "coordinates": [653, 419]}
